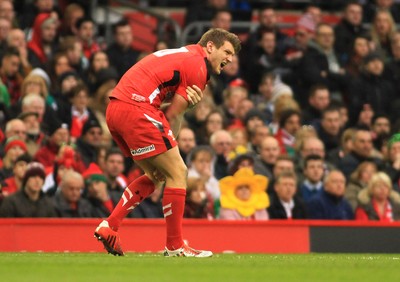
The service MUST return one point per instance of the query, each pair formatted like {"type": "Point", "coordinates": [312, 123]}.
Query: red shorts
{"type": "Point", "coordinates": [140, 132]}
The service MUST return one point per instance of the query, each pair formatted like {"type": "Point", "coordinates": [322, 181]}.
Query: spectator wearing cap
{"type": "Point", "coordinates": [90, 141]}
{"type": "Point", "coordinates": [69, 202]}
{"type": "Point", "coordinates": [42, 46]}
{"type": "Point", "coordinates": [30, 201]}
{"type": "Point", "coordinates": [296, 45]}
{"type": "Point", "coordinates": [14, 148]}
{"type": "Point", "coordinates": [14, 183]}
{"type": "Point", "coordinates": [280, 91]}
{"type": "Point", "coordinates": [348, 29]}
{"type": "Point", "coordinates": [121, 53]}
{"type": "Point", "coordinates": [97, 193]}
{"type": "Point", "coordinates": [371, 90]}
{"type": "Point", "coordinates": [58, 135]}
{"type": "Point", "coordinates": [35, 136]}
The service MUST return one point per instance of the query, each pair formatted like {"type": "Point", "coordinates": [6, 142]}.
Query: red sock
{"type": "Point", "coordinates": [135, 193]}
{"type": "Point", "coordinates": [173, 206]}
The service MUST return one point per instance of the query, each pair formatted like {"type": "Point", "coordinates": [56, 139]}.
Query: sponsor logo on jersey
{"type": "Point", "coordinates": [144, 150]}
{"type": "Point", "coordinates": [138, 98]}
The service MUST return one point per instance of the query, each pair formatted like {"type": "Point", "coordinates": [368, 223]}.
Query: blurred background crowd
{"type": "Point", "coordinates": [303, 124]}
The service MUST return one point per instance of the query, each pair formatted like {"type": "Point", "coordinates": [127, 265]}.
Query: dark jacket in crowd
{"type": "Point", "coordinates": [120, 59]}
{"type": "Point", "coordinates": [350, 162]}
{"type": "Point", "coordinates": [345, 33]}
{"type": "Point", "coordinates": [64, 209]}
{"type": "Point", "coordinates": [148, 209]}
{"type": "Point", "coordinates": [373, 90]}
{"type": "Point", "coordinates": [312, 64]}
{"type": "Point", "coordinates": [327, 206]}
{"type": "Point", "coordinates": [277, 211]}
{"type": "Point", "coordinates": [19, 205]}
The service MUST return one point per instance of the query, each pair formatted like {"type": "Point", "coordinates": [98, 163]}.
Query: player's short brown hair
{"type": "Point", "coordinates": [219, 36]}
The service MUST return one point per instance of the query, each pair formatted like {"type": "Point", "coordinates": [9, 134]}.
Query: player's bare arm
{"type": "Point", "coordinates": [179, 105]}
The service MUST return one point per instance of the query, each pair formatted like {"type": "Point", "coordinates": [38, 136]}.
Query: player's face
{"type": "Point", "coordinates": [220, 57]}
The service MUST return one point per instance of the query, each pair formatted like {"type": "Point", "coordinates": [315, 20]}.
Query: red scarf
{"type": "Point", "coordinates": [387, 212]}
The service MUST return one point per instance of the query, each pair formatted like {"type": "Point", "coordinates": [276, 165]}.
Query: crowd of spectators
{"type": "Point", "coordinates": [303, 124]}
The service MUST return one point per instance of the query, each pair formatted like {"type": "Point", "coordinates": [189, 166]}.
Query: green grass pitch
{"type": "Point", "coordinates": [222, 267]}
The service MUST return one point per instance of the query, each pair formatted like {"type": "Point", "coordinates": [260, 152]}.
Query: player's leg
{"type": "Point", "coordinates": [171, 165]}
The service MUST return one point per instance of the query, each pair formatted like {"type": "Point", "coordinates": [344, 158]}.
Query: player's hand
{"type": "Point", "coordinates": [194, 95]}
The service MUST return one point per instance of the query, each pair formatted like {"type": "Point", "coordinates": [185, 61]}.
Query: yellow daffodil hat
{"type": "Point", "coordinates": [257, 184]}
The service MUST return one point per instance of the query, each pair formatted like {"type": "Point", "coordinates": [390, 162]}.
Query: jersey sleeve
{"type": "Point", "coordinates": [193, 72]}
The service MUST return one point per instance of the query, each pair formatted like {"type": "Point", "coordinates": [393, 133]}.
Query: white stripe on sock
{"type": "Point", "coordinates": [169, 212]}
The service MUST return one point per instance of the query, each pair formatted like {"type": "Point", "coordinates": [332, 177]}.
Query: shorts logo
{"type": "Point", "coordinates": [144, 150]}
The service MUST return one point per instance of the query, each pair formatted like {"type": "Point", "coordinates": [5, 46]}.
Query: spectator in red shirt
{"type": "Point", "coordinates": [14, 183]}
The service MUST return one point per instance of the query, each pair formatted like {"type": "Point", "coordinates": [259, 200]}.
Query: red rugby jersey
{"type": "Point", "coordinates": [160, 75]}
